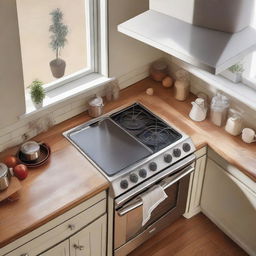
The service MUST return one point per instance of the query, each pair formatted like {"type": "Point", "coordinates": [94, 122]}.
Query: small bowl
{"type": "Point", "coordinates": [30, 150]}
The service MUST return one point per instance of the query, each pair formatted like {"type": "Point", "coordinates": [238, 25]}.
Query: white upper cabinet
{"type": "Point", "coordinates": [212, 35]}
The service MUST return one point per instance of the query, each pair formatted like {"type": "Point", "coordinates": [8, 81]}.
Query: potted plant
{"type": "Point", "coordinates": [37, 93]}
{"type": "Point", "coordinates": [234, 73]}
{"type": "Point", "coordinates": [58, 36]}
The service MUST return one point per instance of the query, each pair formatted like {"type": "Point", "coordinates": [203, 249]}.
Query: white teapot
{"type": "Point", "coordinates": [199, 110]}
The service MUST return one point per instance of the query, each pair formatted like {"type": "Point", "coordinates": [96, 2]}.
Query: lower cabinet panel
{"type": "Point", "coordinates": [90, 241]}
{"type": "Point", "coordinates": [230, 205]}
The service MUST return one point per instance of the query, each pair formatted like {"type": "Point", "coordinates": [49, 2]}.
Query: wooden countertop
{"type": "Point", "coordinates": [65, 181]}
{"type": "Point", "coordinates": [69, 178]}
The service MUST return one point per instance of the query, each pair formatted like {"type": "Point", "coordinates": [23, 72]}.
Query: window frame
{"type": "Point", "coordinates": [96, 43]}
{"type": "Point", "coordinates": [249, 75]}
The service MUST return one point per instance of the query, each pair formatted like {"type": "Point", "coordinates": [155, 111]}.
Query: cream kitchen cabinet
{"type": "Point", "coordinates": [229, 200]}
{"type": "Point", "coordinates": [61, 249]}
{"type": "Point", "coordinates": [85, 223]}
{"type": "Point", "coordinates": [90, 241]}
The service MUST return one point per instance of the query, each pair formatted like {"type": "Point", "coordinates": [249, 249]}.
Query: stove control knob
{"type": "Point", "coordinates": [134, 177]}
{"type": "Point", "coordinates": [177, 152]}
{"type": "Point", "coordinates": [186, 147]}
{"type": "Point", "coordinates": [152, 166]}
{"type": "Point", "coordinates": [124, 184]}
{"type": "Point", "coordinates": [143, 173]}
{"type": "Point", "coordinates": [168, 158]}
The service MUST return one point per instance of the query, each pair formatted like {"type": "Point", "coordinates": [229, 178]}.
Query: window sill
{"type": "Point", "coordinates": [239, 91]}
{"type": "Point", "coordinates": [66, 91]}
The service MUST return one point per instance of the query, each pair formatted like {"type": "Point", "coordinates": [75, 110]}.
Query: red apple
{"type": "Point", "coordinates": [20, 171]}
{"type": "Point", "coordinates": [11, 161]}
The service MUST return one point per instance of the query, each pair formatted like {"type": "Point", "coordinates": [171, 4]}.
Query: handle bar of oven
{"type": "Point", "coordinates": [166, 183]}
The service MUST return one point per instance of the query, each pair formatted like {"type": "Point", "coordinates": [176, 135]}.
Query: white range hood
{"type": "Point", "coordinates": [205, 48]}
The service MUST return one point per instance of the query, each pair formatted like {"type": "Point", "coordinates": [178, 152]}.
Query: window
{"type": "Point", "coordinates": [249, 74]}
{"type": "Point", "coordinates": [59, 40]}
{"type": "Point", "coordinates": [245, 70]}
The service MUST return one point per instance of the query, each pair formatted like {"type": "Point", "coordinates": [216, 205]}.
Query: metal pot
{"type": "Point", "coordinates": [30, 150]}
{"type": "Point", "coordinates": [96, 107]}
{"type": "Point", "coordinates": [4, 177]}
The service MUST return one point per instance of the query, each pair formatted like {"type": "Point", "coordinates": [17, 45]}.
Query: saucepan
{"type": "Point", "coordinates": [30, 150]}
{"type": "Point", "coordinates": [4, 177]}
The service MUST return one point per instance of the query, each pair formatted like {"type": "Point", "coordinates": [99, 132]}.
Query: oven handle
{"type": "Point", "coordinates": [166, 183]}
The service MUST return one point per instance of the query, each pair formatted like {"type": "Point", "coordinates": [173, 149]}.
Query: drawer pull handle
{"type": "Point", "coordinates": [71, 226]}
{"type": "Point", "coordinates": [79, 247]}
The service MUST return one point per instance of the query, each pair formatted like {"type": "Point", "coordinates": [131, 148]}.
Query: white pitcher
{"type": "Point", "coordinates": [199, 110]}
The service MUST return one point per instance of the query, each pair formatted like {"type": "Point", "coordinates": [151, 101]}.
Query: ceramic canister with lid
{"type": "Point", "coordinates": [219, 109]}
{"type": "Point", "coordinates": [234, 123]}
{"type": "Point", "coordinates": [158, 71]}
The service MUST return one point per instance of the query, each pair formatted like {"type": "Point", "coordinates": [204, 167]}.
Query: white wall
{"type": "Point", "coordinates": [126, 54]}
{"type": "Point", "coordinates": [12, 101]}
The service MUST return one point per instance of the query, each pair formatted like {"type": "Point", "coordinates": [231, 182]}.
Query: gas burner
{"type": "Point", "coordinates": [158, 136]}
{"type": "Point", "coordinates": [134, 119]}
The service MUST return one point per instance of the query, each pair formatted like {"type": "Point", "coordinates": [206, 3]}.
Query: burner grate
{"type": "Point", "coordinates": [147, 128]}
{"type": "Point", "coordinates": [158, 136]}
{"type": "Point", "coordinates": [134, 119]}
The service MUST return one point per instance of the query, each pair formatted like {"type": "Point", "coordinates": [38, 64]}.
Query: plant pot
{"type": "Point", "coordinates": [38, 105]}
{"type": "Point", "coordinates": [58, 67]}
{"type": "Point", "coordinates": [234, 77]}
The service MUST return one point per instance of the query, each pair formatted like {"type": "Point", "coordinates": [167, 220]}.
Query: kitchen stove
{"type": "Point", "coordinates": [136, 150]}
{"type": "Point", "coordinates": [130, 146]}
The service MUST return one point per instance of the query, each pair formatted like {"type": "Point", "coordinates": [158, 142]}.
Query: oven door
{"type": "Point", "coordinates": [129, 232]}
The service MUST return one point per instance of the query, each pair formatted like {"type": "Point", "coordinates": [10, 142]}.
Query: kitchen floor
{"type": "Point", "coordinates": [197, 236]}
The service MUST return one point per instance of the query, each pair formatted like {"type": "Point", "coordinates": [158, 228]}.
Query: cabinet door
{"type": "Point", "coordinates": [61, 249]}
{"type": "Point", "coordinates": [90, 241]}
{"type": "Point", "coordinates": [230, 205]}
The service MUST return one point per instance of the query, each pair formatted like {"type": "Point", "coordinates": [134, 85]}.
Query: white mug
{"type": "Point", "coordinates": [248, 135]}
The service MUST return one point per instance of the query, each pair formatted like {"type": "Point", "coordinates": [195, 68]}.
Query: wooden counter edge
{"type": "Point", "coordinates": [55, 214]}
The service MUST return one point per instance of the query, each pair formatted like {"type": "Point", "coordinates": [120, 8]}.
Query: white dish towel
{"type": "Point", "coordinates": [151, 199]}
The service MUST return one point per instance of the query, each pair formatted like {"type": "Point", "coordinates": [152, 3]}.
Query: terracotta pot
{"type": "Point", "coordinates": [58, 67]}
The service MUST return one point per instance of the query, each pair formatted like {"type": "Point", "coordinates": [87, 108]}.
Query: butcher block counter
{"type": "Point", "coordinates": [69, 179]}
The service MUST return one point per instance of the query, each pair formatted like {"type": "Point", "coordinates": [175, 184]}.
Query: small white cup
{"type": "Point", "coordinates": [248, 135]}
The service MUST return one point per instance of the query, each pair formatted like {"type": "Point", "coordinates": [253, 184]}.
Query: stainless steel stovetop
{"type": "Point", "coordinates": [130, 145]}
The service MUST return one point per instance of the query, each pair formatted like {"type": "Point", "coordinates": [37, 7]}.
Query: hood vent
{"type": "Point", "coordinates": [208, 49]}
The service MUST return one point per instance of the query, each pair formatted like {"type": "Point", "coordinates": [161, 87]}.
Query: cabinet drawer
{"type": "Point", "coordinates": [61, 232]}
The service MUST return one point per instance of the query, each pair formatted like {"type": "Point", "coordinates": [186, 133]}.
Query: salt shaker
{"type": "Point", "coordinates": [219, 109]}
{"type": "Point", "coordinates": [181, 85]}
{"type": "Point", "coordinates": [109, 92]}
{"type": "Point", "coordinates": [115, 90]}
